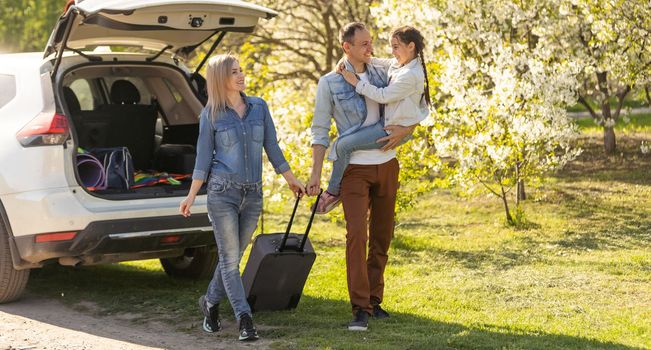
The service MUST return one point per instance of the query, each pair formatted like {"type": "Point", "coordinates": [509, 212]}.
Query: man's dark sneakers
{"type": "Point", "coordinates": [211, 321]}
{"type": "Point", "coordinates": [247, 330]}
{"type": "Point", "coordinates": [379, 313]}
{"type": "Point", "coordinates": [359, 322]}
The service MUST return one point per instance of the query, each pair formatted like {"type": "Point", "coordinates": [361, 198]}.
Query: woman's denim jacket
{"type": "Point", "coordinates": [230, 147]}
{"type": "Point", "coordinates": [336, 98]}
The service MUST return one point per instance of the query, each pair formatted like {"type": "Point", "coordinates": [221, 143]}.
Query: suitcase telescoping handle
{"type": "Point", "coordinates": [283, 242]}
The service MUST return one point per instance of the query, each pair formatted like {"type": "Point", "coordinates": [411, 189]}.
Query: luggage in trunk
{"type": "Point", "coordinates": [175, 158]}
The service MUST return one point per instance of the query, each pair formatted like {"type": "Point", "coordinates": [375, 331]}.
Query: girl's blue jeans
{"type": "Point", "coordinates": [362, 139]}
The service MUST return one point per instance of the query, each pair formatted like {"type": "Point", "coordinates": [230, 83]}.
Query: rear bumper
{"type": "Point", "coordinates": [72, 209]}
{"type": "Point", "coordinates": [118, 240]}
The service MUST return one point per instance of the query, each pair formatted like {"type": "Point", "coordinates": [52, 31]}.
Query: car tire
{"type": "Point", "coordinates": [12, 281]}
{"type": "Point", "coordinates": [196, 263]}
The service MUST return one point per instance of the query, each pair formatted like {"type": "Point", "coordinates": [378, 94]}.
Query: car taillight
{"type": "Point", "coordinates": [170, 239]}
{"type": "Point", "coordinates": [54, 237]}
{"type": "Point", "coordinates": [44, 130]}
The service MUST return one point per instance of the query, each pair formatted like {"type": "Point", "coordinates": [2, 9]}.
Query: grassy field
{"type": "Point", "coordinates": [630, 102]}
{"type": "Point", "coordinates": [578, 278]}
{"type": "Point", "coordinates": [637, 123]}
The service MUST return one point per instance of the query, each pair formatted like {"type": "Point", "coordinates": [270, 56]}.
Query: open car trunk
{"type": "Point", "coordinates": [148, 111]}
{"type": "Point", "coordinates": [179, 26]}
{"type": "Point", "coordinates": [138, 109]}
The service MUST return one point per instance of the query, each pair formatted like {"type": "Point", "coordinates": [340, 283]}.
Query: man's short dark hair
{"type": "Point", "coordinates": [347, 32]}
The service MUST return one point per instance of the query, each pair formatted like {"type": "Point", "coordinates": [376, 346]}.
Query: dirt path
{"type": "Point", "coordinates": [35, 323]}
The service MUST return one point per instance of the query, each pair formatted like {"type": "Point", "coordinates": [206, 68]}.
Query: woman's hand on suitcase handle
{"type": "Point", "coordinates": [294, 184]}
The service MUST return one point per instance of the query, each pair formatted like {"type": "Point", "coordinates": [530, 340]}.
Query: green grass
{"type": "Point", "coordinates": [640, 122]}
{"type": "Point", "coordinates": [630, 102]}
{"type": "Point", "coordinates": [578, 278]}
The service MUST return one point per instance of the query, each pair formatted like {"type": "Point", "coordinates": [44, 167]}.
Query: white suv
{"type": "Point", "coordinates": [80, 95]}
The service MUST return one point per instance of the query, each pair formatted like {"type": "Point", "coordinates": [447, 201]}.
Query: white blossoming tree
{"type": "Point", "coordinates": [501, 96]}
{"type": "Point", "coordinates": [610, 41]}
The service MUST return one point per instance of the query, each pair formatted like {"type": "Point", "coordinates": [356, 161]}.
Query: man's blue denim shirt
{"type": "Point", "coordinates": [336, 98]}
{"type": "Point", "coordinates": [230, 147]}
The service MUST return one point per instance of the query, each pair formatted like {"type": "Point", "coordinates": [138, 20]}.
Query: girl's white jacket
{"type": "Point", "coordinates": [403, 96]}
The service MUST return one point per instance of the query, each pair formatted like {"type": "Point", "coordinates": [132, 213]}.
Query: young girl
{"type": "Point", "coordinates": [233, 130]}
{"type": "Point", "coordinates": [406, 98]}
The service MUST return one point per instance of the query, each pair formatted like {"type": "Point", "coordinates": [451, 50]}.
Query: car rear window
{"type": "Point", "coordinates": [177, 95]}
{"type": "Point", "coordinates": [145, 95]}
{"type": "Point", "coordinates": [82, 90]}
{"type": "Point", "coordinates": [7, 89]}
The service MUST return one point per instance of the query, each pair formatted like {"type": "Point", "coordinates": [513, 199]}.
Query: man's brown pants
{"type": "Point", "coordinates": [367, 187]}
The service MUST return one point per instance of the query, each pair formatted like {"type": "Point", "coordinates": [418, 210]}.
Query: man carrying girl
{"type": "Point", "coordinates": [368, 136]}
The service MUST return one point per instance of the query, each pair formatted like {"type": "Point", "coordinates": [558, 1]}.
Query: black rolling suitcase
{"type": "Point", "coordinates": [278, 267]}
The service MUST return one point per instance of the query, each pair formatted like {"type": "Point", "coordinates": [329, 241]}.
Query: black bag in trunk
{"type": "Point", "coordinates": [278, 267]}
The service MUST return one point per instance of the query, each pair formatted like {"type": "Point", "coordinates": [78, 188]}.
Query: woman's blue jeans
{"type": "Point", "coordinates": [234, 210]}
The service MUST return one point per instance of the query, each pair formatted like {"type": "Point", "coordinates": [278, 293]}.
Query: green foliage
{"type": "Point", "coordinates": [25, 25]}
{"type": "Point", "coordinates": [259, 82]}
{"type": "Point", "coordinates": [520, 220]}
{"type": "Point", "coordinates": [419, 169]}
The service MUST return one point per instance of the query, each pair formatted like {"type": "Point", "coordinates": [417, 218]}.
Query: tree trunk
{"type": "Point", "coordinates": [610, 144]}
{"type": "Point", "coordinates": [519, 189]}
{"type": "Point", "coordinates": [608, 118]}
{"type": "Point", "coordinates": [521, 195]}
{"type": "Point", "coordinates": [509, 218]}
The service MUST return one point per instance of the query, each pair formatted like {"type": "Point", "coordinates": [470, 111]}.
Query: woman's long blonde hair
{"type": "Point", "coordinates": [218, 72]}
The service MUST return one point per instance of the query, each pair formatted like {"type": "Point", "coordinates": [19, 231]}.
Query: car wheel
{"type": "Point", "coordinates": [196, 263]}
{"type": "Point", "coordinates": [12, 281]}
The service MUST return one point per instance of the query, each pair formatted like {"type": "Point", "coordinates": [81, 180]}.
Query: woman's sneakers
{"type": "Point", "coordinates": [212, 324]}
{"type": "Point", "coordinates": [211, 321]}
{"type": "Point", "coordinates": [247, 330]}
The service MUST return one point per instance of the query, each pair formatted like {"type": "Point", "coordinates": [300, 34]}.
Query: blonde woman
{"type": "Point", "coordinates": [233, 130]}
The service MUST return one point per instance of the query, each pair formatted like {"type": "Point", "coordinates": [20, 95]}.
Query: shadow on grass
{"type": "Point", "coordinates": [607, 238]}
{"type": "Point", "coordinates": [500, 257]}
{"type": "Point", "coordinates": [597, 225]}
{"type": "Point", "coordinates": [527, 250]}
{"type": "Point", "coordinates": [321, 323]}
{"type": "Point", "coordinates": [317, 323]}
{"type": "Point", "coordinates": [627, 165]}
{"type": "Point", "coordinates": [602, 224]}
